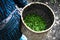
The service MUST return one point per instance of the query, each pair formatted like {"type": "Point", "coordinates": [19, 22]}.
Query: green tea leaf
{"type": "Point", "coordinates": [35, 22]}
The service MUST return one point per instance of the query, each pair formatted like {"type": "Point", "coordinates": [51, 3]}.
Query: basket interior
{"type": "Point", "coordinates": [42, 11]}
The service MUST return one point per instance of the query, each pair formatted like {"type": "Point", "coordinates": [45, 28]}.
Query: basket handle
{"type": "Point", "coordinates": [20, 10]}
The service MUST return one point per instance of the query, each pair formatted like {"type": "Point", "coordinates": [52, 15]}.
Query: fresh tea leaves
{"type": "Point", "coordinates": [35, 22]}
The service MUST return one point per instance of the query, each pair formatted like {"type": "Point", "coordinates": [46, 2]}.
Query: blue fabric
{"type": "Point", "coordinates": [11, 29]}
{"type": "Point", "coordinates": [21, 3]}
{"type": "Point", "coordinates": [6, 7]}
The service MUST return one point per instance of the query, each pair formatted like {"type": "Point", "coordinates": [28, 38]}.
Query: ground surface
{"type": "Point", "coordinates": [54, 33]}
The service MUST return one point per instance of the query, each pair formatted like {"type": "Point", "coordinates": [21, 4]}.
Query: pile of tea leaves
{"type": "Point", "coordinates": [35, 22]}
